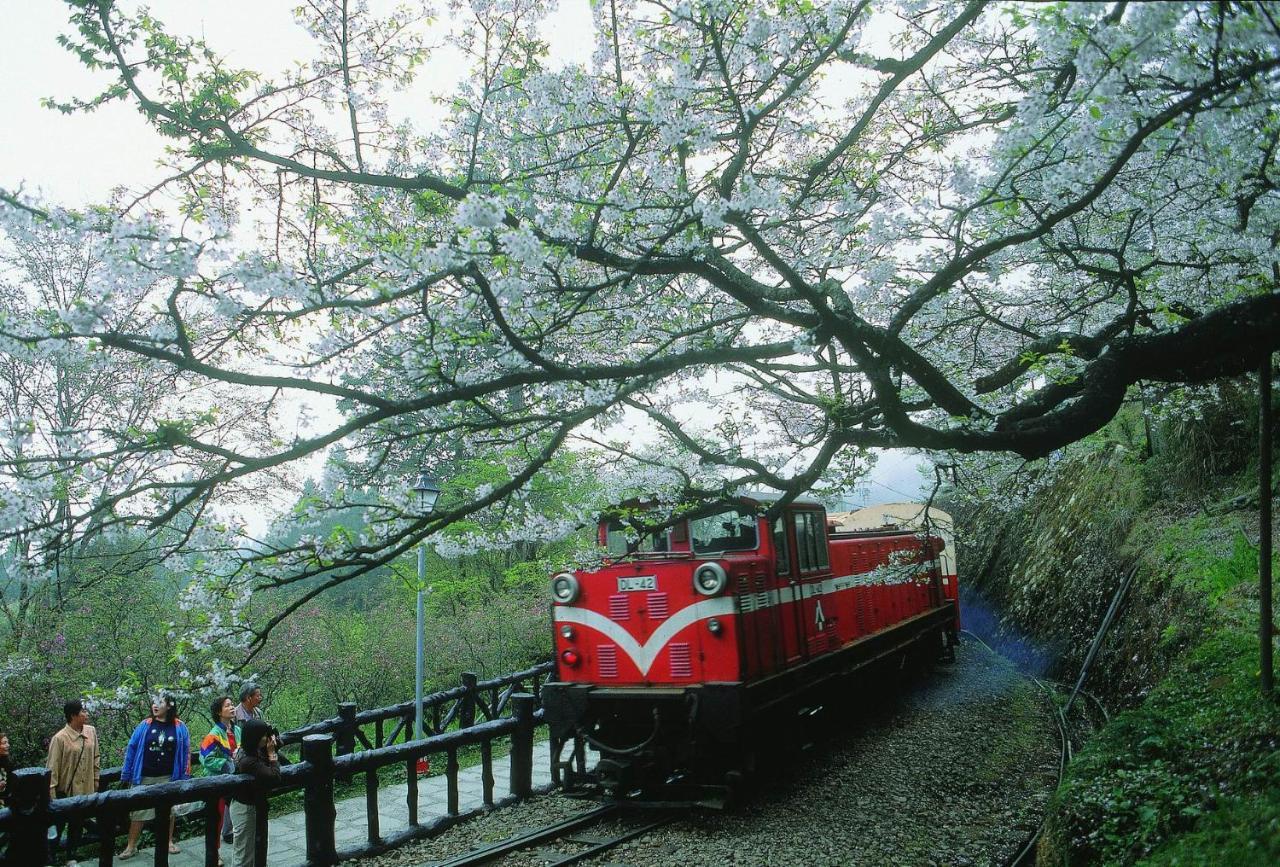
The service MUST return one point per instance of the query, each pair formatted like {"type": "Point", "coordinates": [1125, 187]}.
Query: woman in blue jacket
{"type": "Point", "coordinates": [159, 751]}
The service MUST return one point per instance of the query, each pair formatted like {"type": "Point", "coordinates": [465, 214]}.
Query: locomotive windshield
{"type": "Point", "coordinates": [732, 529]}
{"type": "Point", "coordinates": [622, 540]}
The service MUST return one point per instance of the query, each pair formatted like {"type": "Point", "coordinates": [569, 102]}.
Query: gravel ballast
{"type": "Point", "coordinates": [954, 767]}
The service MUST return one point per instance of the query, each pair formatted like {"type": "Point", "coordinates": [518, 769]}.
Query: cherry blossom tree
{"type": "Point", "coordinates": [776, 235]}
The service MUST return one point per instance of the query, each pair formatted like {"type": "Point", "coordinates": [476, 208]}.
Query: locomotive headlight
{"type": "Point", "coordinates": [566, 632]}
{"type": "Point", "coordinates": [714, 626]}
{"type": "Point", "coordinates": [710, 579]}
{"type": "Point", "coordinates": [564, 588]}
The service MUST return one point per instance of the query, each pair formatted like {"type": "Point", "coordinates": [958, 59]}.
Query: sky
{"type": "Point", "coordinates": [78, 159]}
{"type": "Point", "coordinates": [74, 160]}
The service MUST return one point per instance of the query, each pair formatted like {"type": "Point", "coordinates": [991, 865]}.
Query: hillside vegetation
{"type": "Point", "coordinates": [1186, 770]}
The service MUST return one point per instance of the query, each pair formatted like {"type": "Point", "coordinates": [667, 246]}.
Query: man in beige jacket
{"type": "Point", "coordinates": [74, 764]}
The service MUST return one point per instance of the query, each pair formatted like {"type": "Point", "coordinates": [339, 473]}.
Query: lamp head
{"type": "Point", "coordinates": [428, 491]}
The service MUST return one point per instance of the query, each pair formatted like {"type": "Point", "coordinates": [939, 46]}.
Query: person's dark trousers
{"type": "Point", "coordinates": [227, 830]}
{"type": "Point", "coordinates": [75, 830]}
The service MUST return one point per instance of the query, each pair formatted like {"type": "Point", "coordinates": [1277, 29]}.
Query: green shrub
{"type": "Point", "coordinates": [1158, 778]}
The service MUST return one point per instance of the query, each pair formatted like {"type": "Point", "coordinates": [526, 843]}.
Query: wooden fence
{"type": "Point", "coordinates": [508, 706]}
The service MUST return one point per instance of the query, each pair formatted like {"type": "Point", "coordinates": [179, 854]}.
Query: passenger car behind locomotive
{"type": "Point", "coordinates": [677, 655]}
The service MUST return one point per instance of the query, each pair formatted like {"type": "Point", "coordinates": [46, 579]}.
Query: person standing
{"type": "Point", "coordinates": [217, 751]}
{"type": "Point", "coordinates": [247, 709]}
{"type": "Point", "coordinates": [258, 758]}
{"type": "Point", "coordinates": [159, 750]}
{"type": "Point", "coordinates": [6, 768]}
{"type": "Point", "coordinates": [74, 764]}
{"type": "Point", "coordinates": [250, 699]}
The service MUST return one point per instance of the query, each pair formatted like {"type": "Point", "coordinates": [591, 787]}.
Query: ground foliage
{"type": "Point", "coordinates": [1190, 776]}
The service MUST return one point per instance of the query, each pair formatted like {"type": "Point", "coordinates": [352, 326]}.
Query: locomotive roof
{"type": "Point", "coordinates": [760, 498]}
{"type": "Point", "coordinates": [769, 497]}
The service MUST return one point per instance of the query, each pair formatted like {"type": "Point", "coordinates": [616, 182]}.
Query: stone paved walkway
{"type": "Point", "coordinates": [288, 831]}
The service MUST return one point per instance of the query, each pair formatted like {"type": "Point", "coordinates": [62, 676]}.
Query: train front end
{"type": "Point", "coordinates": [649, 658]}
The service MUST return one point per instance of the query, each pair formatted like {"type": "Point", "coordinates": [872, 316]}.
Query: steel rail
{"type": "Point", "coordinates": [605, 845]}
{"type": "Point", "coordinates": [1026, 855]}
{"type": "Point", "coordinates": [557, 831]}
{"type": "Point", "coordinates": [524, 841]}
{"type": "Point", "coordinates": [1026, 852]}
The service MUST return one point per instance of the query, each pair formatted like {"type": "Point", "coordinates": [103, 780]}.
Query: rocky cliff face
{"type": "Point", "coordinates": [1186, 770]}
{"type": "Point", "coordinates": [1038, 578]}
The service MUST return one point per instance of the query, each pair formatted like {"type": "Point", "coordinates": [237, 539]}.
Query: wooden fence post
{"type": "Point", "coordinates": [411, 770]}
{"type": "Point", "coordinates": [1265, 625]}
{"type": "Point", "coordinates": [346, 741]}
{"type": "Point", "coordinates": [347, 733]}
{"type": "Point", "coordinates": [467, 712]}
{"type": "Point", "coordinates": [160, 828]}
{"type": "Point", "coordinates": [212, 830]}
{"type": "Point", "coordinates": [109, 822]}
{"type": "Point", "coordinates": [317, 800]}
{"type": "Point", "coordinates": [486, 772]}
{"type": "Point", "coordinates": [522, 707]}
{"type": "Point", "coordinates": [29, 797]}
{"type": "Point", "coordinates": [411, 791]}
{"type": "Point", "coordinates": [451, 781]}
{"type": "Point", "coordinates": [371, 805]}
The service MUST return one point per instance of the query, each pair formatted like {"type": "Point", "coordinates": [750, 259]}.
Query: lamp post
{"type": "Point", "coordinates": [427, 491]}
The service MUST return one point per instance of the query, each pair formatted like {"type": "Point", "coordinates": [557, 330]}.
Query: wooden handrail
{"type": "Point", "coordinates": [32, 811]}
{"type": "Point", "coordinates": [333, 725]}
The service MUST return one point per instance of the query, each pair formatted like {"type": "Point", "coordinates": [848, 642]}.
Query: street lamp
{"type": "Point", "coordinates": [427, 491]}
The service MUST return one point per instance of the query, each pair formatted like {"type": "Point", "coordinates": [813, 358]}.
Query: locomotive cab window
{"type": "Point", "coordinates": [811, 541]}
{"type": "Point", "coordinates": [728, 530]}
{"type": "Point", "coordinates": [620, 539]}
{"type": "Point", "coordinates": [782, 560]}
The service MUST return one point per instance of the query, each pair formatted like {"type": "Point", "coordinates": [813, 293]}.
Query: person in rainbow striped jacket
{"type": "Point", "coordinates": [217, 751]}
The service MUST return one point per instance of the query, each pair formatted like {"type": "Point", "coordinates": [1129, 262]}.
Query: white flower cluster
{"type": "Point", "coordinates": [523, 246]}
{"type": "Point", "coordinates": [711, 210]}
{"type": "Point", "coordinates": [15, 666]}
{"type": "Point", "coordinates": [479, 212]}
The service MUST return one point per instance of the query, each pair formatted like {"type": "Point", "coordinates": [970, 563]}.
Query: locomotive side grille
{"type": "Point", "coordinates": [817, 643]}
{"type": "Point", "coordinates": [742, 590]}
{"type": "Point", "coordinates": [607, 660]}
{"type": "Point", "coordinates": [619, 608]}
{"type": "Point", "coordinates": [762, 595]}
{"type": "Point", "coordinates": [681, 660]}
{"type": "Point", "coordinates": [659, 607]}
{"type": "Point", "coordinates": [860, 606]}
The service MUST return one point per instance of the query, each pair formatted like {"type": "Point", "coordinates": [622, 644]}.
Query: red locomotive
{"type": "Point", "coordinates": [694, 640]}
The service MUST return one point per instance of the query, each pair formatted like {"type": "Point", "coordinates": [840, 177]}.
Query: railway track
{"type": "Point", "coordinates": [571, 840]}
{"type": "Point", "coordinates": [1026, 852]}
{"type": "Point", "coordinates": [1026, 855]}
